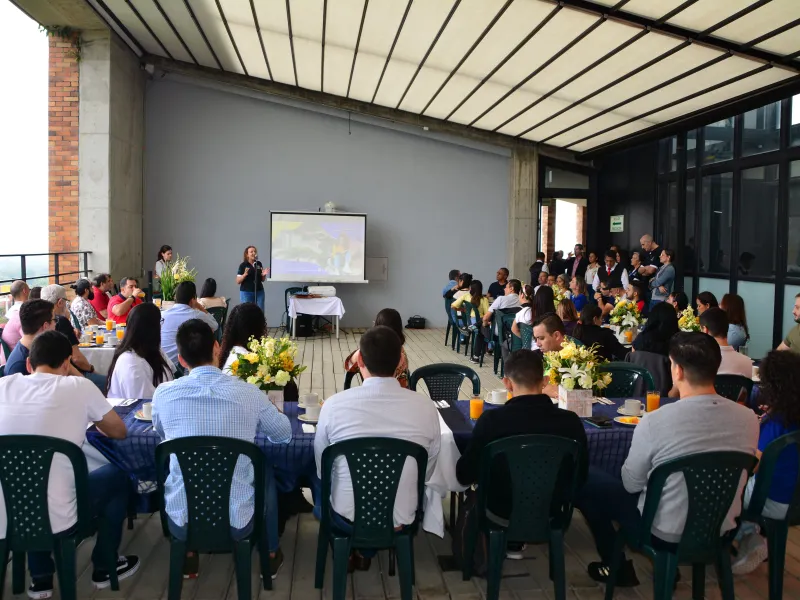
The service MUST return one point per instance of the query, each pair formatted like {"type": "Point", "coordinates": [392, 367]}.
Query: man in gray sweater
{"type": "Point", "coordinates": [702, 421]}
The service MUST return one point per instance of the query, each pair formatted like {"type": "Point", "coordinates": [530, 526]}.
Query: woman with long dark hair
{"type": "Point", "coordinates": [679, 300]}
{"type": "Point", "coordinates": [543, 303]}
{"type": "Point", "coordinates": [474, 297]}
{"type": "Point", "coordinates": [661, 325]}
{"type": "Point", "coordinates": [164, 256]}
{"type": "Point", "coordinates": [208, 295]}
{"type": "Point", "coordinates": [704, 301]}
{"type": "Point", "coordinates": [590, 332]}
{"type": "Point", "coordinates": [738, 333]}
{"type": "Point", "coordinates": [390, 318]}
{"type": "Point", "coordinates": [569, 316]}
{"type": "Point", "coordinates": [245, 321]}
{"type": "Point", "coordinates": [139, 366]}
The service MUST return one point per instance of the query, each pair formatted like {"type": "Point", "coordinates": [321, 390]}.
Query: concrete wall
{"type": "Point", "coordinates": [217, 163]}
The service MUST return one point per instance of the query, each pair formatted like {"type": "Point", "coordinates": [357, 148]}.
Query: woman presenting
{"type": "Point", "coordinates": [250, 278]}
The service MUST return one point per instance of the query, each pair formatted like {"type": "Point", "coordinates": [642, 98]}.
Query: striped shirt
{"type": "Point", "coordinates": [209, 403]}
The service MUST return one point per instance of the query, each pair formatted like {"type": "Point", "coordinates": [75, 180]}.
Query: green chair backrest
{"type": "Point", "coordinates": [538, 465]}
{"type": "Point", "coordinates": [207, 465]}
{"type": "Point", "coordinates": [627, 380]}
{"type": "Point", "coordinates": [75, 323]}
{"type": "Point", "coordinates": [444, 380]}
{"type": "Point", "coordinates": [25, 462]}
{"type": "Point", "coordinates": [469, 310]}
{"type": "Point", "coordinates": [506, 322]}
{"type": "Point", "coordinates": [766, 469]}
{"type": "Point", "coordinates": [449, 310]}
{"type": "Point", "coordinates": [6, 348]}
{"type": "Point", "coordinates": [733, 387]}
{"type": "Point", "coordinates": [712, 480]}
{"type": "Point", "coordinates": [218, 312]}
{"type": "Point", "coordinates": [575, 341]}
{"type": "Point", "coordinates": [375, 466]}
{"type": "Point", "coordinates": [527, 335]}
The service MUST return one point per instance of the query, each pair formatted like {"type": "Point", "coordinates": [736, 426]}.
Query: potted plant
{"type": "Point", "coordinates": [627, 318]}
{"type": "Point", "coordinates": [575, 370]}
{"type": "Point", "coordinates": [687, 321]}
{"type": "Point", "coordinates": [175, 272]}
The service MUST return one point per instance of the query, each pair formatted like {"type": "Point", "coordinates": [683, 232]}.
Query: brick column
{"type": "Point", "coordinates": [580, 225]}
{"type": "Point", "coordinates": [549, 229]}
{"type": "Point", "coordinates": [63, 200]}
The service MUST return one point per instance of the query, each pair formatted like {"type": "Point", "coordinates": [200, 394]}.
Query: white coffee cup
{"type": "Point", "coordinates": [311, 399]}
{"type": "Point", "coordinates": [754, 376]}
{"type": "Point", "coordinates": [312, 410]}
{"type": "Point", "coordinates": [499, 396]}
{"type": "Point", "coordinates": [86, 338]}
{"type": "Point", "coordinates": [632, 407]}
{"type": "Point", "coordinates": [147, 410]}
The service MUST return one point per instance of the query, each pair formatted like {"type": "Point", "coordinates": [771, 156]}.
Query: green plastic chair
{"type": "Point", "coordinates": [6, 348]}
{"type": "Point", "coordinates": [464, 321]}
{"type": "Point", "coordinates": [777, 530]}
{"type": "Point", "coordinates": [375, 467]}
{"type": "Point", "coordinates": [25, 462]}
{"type": "Point", "coordinates": [218, 312]}
{"type": "Point", "coordinates": [450, 326]}
{"type": "Point", "coordinates": [540, 512]}
{"type": "Point", "coordinates": [444, 380]}
{"type": "Point", "coordinates": [75, 323]}
{"type": "Point", "coordinates": [627, 380]}
{"type": "Point", "coordinates": [207, 464]}
{"type": "Point", "coordinates": [734, 387]}
{"type": "Point", "coordinates": [712, 480]}
{"type": "Point", "coordinates": [526, 340]}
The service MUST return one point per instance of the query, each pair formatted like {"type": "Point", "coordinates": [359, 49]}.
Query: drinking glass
{"type": "Point", "coordinates": [475, 408]}
{"type": "Point", "coordinates": [120, 334]}
{"type": "Point", "coordinates": [109, 324]}
{"type": "Point", "coordinates": [653, 400]}
{"type": "Point", "coordinates": [100, 339]}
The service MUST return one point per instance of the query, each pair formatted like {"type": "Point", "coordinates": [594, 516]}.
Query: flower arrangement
{"type": "Point", "coordinates": [559, 295]}
{"type": "Point", "coordinates": [175, 272]}
{"type": "Point", "coordinates": [269, 364]}
{"type": "Point", "coordinates": [687, 321]}
{"type": "Point", "coordinates": [626, 314]}
{"type": "Point", "coordinates": [576, 367]}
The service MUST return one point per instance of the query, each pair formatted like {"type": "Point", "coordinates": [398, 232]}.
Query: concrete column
{"type": "Point", "coordinates": [523, 211]}
{"type": "Point", "coordinates": [111, 145]}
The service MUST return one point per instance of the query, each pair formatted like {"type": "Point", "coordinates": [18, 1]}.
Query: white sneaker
{"type": "Point", "coordinates": [752, 552]}
{"type": "Point", "coordinates": [516, 553]}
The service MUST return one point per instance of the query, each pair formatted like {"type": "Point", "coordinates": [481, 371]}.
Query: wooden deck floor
{"type": "Point", "coordinates": [525, 579]}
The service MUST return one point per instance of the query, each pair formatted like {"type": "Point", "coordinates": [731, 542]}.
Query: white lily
{"type": "Point", "coordinates": [629, 321]}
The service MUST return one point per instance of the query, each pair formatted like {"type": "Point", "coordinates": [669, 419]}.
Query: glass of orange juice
{"type": "Point", "coordinates": [653, 400]}
{"type": "Point", "coordinates": [100, 339]}
{"type": "Point", "coordinates": [120, 333]}
{"type": "Point", "coordinates": [629, 335]}
{"type": "Point", "coordinates": [475, 408]}
{"type": "Point", "coordinates": [109, 324]}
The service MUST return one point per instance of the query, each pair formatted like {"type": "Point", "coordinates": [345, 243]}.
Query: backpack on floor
{"type": "Point", "coordinates": [466, 522]}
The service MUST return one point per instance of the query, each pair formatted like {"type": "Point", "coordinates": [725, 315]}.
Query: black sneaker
{"type": "Point", "coordinates": [625, 578]}
{"type": "Point", "coordinates": [41, 588]}
{"type": "Point", "coordinates": [275, 563]}
{"type": "Point", "coordinates": [475, 359]}
{"type": "Point", "coordinates": [126, 566]}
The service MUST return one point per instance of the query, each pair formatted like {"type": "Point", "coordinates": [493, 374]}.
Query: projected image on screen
{"type": "Point", "coordinates": [317, 247]}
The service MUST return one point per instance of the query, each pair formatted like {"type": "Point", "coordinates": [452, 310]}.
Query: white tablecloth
{"type": "Point", "coordinates": [331, 306]}
{"type": "Point", "coordinates": [100, 358]}
{"type": "Point", "coordinates": [442, 482]}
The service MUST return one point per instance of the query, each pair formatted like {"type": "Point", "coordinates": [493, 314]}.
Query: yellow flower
{"type": "Point", "coordinates": [235, 367]}
{"type": "Point", "coordinates": [567, 352]}
{"type": "Point", "coordinates": [553, 379]}
{"type": "Point", "coordinates": [251, 357]}
{"type": "Point", "coordinates": [253, 379]}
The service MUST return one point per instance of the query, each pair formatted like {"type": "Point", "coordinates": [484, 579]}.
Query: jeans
{"type": "Point", "coordinates": [98, 380]}
{"type": "Point", "coordinates": [772, 510]}
{"type": "Point", "coordinates": [269, 530]}
{"type": "Point", "coordinates": [108, 497]}
{"type": "Point", "coordinates": [257, 298]}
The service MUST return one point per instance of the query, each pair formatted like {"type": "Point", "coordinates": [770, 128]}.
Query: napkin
{"type": "Point", "coordinates": [309, 428]}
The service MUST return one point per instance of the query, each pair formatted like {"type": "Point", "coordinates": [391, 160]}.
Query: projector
{"type": "Point", "coordinates": [327, 291]}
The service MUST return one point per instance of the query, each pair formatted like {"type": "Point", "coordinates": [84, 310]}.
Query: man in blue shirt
{"type": "Point", "coordinates": [35, 316]}
{"type": "Point", "coordinates": [453, 283]}
{"type": "Point", "coordinates": [207, 402]}
{"type": "Point", "coordinates": [186, 307]}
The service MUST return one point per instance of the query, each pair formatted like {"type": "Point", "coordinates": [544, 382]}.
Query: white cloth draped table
{"type": "Point", "coordinates": [99, 358]}
{"type": "Point", "coordinates": [323, 307]}
{"type": "Point", "coordinates": [442, 482]}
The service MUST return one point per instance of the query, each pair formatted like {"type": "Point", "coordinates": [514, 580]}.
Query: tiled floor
{"type": "Point", "coordinates": [523, 579]}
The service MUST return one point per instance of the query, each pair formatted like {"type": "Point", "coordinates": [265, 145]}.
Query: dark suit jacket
{"type": "Point", "coordinates": [581, 272]}
{"type": "Point", "coordinates": [608, 344]}
{"type": "Point", "coordinates": [520, 416]}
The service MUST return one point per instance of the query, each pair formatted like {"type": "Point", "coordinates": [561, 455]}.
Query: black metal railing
{"type": "Point", "coordinates": [35, 268]}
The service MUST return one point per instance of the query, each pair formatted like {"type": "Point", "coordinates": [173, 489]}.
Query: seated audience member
{"type": "Point", "coordinates": [12, 331]}
{"type": "Point", "coordinates": [792, 340]}
{"type": "Point", "coordinates": [612, 275]}
{"type": "Point", "coordinates": [139, 366]}
{"type": "Point", "coordinates": [537, 267]}
{"type": "Point", "coordinates": [528, 412]}
{"type": "Point", "coordinates": [509, 299]}
{"type": "Point", "coordinates": [102, 286]}
{"type": "Point", "coordinates": [673, 431]}
{"type": "Point", "coordinates": [542, 305]}
{"type": "Point", "coordinates": [661, 325]}
{"type": "Point", "coordinates": [82, 307]}
{"type": "Point", "coordinates": [577, 286]}
{"type": "Point", "coordinates": [208, 295]}
{"type": "Point", "coordinates": [208, 403]}
{"type": "Point", "coordinates": [246, 321]}
{"type": "Point", "coordinates": [548, 336]}
{"type": "Point", "coordinates": [129, 296]}
{"type": "Point", "coordinates": [453, 283]}
{"type": "Point", "coordinates": [186, 307]}
{"type": "Point", "coordinates": [563, 288]}
{"type": "Point", "coordinates": [474, 297]}
{"type": "Point", "coordinates": [569, 316]}
{"type": "Point", "coordinates": [35, 316]}
{"type": "Point", "coordinates": [679, 300]}
{"type": "Point", "coordinates": [552, 279]}
{"type": "Point", "coordinates": [590, 332]}
{"type": "Point", "coordinates": [604, 296]}
{"type": "Point", "coordinates": [714, 322]}
{"type": "Point", "coordinates": [497, 288]}
{"type": "Point", "coordinates": [463, 281]}
{"type": "Point", "coordinates": [378, 408]}
{"type": "Point", "coordinates": [36, 293]}
{"type": "Point", "coordinates": [390, 318]}
{"type": "Point", "coordinates": [780, 395]}
{"type": "Point", "coordinates": [50, 404]}
{"type": "Point", "coordinates": [637, 292]}
{"type": "Point", "coordinates": [542, 281]}
{"type": "Point", "coordinates": [704, 301]}
{"type": "Point", "coordinates": [738, 333]}
{"type": "Point", "coordinates": [526, 295]}
{"type": "Point", "coordinates": [633, 270]}
{"type": "Point", "coordinates": [57, 295]}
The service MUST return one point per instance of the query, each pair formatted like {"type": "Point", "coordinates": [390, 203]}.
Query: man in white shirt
{"type": "Point", "coordinates": [19, 291]}
{"type": "Point", "coordinates": [49, 403]}
{"type": "Point", "coordinates": [702, 421]}
{"type": "Point", "coordinates": [714, 322]}
{"type": "Point", "coordinates": [378, 408]}
{"type": "Point", "coordinates": [509, 300]}
{"type": "Point", "coordinates": [186, 307]}
{"type": "Point", "coordinates": [542, 280]}
{"type": "Point", "coordinates": [613, 274]}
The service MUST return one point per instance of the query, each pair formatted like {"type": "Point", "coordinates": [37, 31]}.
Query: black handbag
{"type": "Point", "coordinates": [416, 322]}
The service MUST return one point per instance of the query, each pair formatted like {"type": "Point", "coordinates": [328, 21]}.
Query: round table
{"type": "Point", "coordinates": [99, 357]}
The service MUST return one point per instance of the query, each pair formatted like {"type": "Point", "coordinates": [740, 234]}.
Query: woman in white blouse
{"type": "Point", "coordinates": [164, 256]}
{"type": "Point", "coordinates": [139, 365]}
{"type": "Point", "coordinates": [245, 321]}
{"type": "Point", "coordinates": [208, 295]}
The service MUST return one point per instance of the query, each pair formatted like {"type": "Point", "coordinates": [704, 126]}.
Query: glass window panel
{"type": "Point", "coordinates": [716, 217]}
{"type": "Point", "coordinates": [690, 249]}
{"type": "Point", "coordinates": [789, 293]}
{"type": "Point", "coordinates": [691, 148]}
{"type": "Point", "coordinates": [794, 129]}
{"type": "Point", "coordinates": [793, 258]}
{"type": "Point", "coordinates": [668, 154]}
{"type": "Point", "coordinates": [759, 303]}
{"type": "Point", "coordinates": [687, 287]}
{"type": "Point", "coordinates": [762, 129]}
{"type": "Point", "coordinates": [758, 218]}
{"type": "Point", "coordinates": [718, 287]}
{"type": "Point", "coordinates": [672, 222]}
{"type": "Point", "coordinates": [718, 144]}
{"type": "Point", "coordinates": [559, 178]}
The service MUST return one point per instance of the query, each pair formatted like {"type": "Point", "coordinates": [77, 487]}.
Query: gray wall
{"type": "Point", "coordinates": [216, 163]}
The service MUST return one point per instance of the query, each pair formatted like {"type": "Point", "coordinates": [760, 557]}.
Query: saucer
{"type": "Point", "coordinates": [628, 421]}
{"type": "Point", "coordinates": [139, 416]}
{"type": "Point", "coordinates": [307, 419]}
{"type": "Point", "coordinates": [621, 411]}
